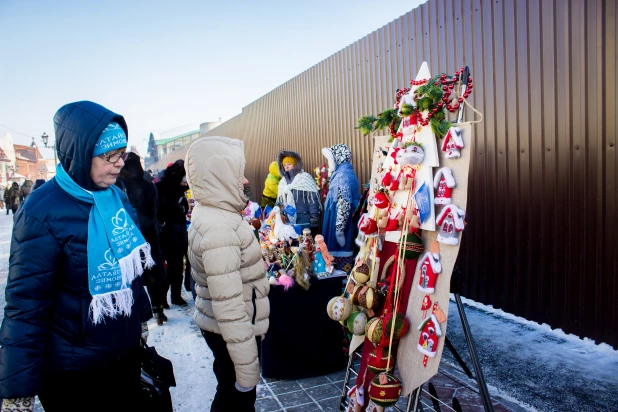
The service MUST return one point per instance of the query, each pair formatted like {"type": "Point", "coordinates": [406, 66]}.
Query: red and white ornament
{"type": "Point", "coordinates": [429, 267]}
{"type": "Point", "coordinates": [443, 182]}
{"type": "Point", "coordinates": [453, 143]}
{"type": "Point", "coordinates": [451, 223]}
{"type": "Point", "coordinates": [428, 339]}
{"type": "Point", "coordinates": [412, 155]}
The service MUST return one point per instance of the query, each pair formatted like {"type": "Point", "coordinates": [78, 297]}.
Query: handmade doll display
{"type": "Point", "coordinates": [341, 201]}
{"type": "Point", "coordinates": [323, 261]}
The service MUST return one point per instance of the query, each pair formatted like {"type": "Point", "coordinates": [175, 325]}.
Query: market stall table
{"type": "Point", "coordinates": [302, 341]}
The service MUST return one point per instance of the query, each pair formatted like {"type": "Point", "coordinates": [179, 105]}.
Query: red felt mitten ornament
{"type": "Point", "coordinates": [387, 178]}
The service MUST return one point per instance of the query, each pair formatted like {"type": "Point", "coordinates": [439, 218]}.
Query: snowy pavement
{"type": "Point", "coordinates": [531, 366]}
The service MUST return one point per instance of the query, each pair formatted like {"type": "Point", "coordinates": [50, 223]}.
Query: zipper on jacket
{"type": "Point", "coordinates": [254, 307]}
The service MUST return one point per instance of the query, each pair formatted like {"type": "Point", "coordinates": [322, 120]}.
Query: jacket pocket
{"type": "Point", "coordinates": [254, 306]}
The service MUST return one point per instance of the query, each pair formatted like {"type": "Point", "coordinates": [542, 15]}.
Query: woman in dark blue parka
{"type": "Point", "coordinates": [75, 303]}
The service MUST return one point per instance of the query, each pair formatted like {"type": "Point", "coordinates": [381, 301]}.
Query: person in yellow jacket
{"type": "Point", "coordinates": [271, 186]}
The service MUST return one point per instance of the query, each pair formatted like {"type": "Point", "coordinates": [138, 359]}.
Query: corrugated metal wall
{"type": "Point", "coordinates": [541, 236]}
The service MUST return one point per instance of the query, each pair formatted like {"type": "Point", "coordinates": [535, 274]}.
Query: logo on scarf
{"type": "Point", "coordinates": [124, 235]}
{"type": "Point", "coordinates": [120, 222]}
{"type": "Point", "coordinates": [108, 274]}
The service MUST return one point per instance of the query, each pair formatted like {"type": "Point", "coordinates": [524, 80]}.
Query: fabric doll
{"type": "Point", "coordinates": [322, 264]}
{"type": "Point", "coordinates": [298, 191]}
{"type": "Point", "coordinates": [342, 200]}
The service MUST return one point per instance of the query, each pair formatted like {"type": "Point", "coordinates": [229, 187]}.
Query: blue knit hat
{"type": "Point", "coordinates": [112, 137]}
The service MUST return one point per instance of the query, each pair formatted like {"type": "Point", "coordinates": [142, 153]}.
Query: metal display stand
{"type": "Point", "coordinates": [415, 402]}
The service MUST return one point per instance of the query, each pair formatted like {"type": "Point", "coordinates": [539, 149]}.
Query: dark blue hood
{"type": "Point", "coordinates": [78, 127]}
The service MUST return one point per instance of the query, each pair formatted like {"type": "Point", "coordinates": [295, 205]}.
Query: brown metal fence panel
{"type": "Point", "coordinates": [540, 241]}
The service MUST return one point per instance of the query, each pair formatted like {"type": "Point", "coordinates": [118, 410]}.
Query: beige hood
{"type": "Point", "coordinates": [215, 170]}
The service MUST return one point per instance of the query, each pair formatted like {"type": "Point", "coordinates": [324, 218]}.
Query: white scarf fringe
{"type": "Point", "coordinates": [111, 304]}
{"type": "Point", "coordinates": [120, 302]}
{"type": "Point", "coordinates": [131, 265]}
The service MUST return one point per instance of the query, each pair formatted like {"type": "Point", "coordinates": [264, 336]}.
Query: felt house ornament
{"type": "Point", "coordinates": [453, 143]}
{"type": "Point", "coordinates": [443, 182]}
{"type": "Point", "coordinates": [451, 223]}
{"type": "Point", "coordinates": [430, 332]}
{"type": "Point", "coordinates": [429, 267]}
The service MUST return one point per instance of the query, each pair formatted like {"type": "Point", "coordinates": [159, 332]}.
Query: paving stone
{"type": "Point", "coordinates": [284, 387]}
{"type": "Point", "coordinates": [330, 405]}
{"type": "Point", "coordinates": [304, 408]}
{"type": "Point", "coordinates": [337, 376]}
{"type": "Point", "coordinates": [263, 391]}
{"type": "Point", "coordinates": [324, 392]}
{"type": "Point", "coordinates": [267, 405]}
{"type": "Point", "coordinates": [295, 399]}
{"type": "Point", "coordinates": [311, 382]}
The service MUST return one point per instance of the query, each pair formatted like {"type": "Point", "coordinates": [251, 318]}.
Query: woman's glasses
{"type": "Point", "coordinates": [114, 157]}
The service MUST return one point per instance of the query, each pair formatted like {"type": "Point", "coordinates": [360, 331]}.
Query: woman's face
{"type": "Point", "coordinates": [103, 172]}
{"type": "Point", "coordinates": [288, 166]}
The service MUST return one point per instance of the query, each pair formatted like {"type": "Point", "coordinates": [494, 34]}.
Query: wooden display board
{"type": "Point", "coordinates": [409, 359]}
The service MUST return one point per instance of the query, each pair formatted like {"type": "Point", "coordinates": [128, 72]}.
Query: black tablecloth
{"type": "Point", "coordinates": [302, 341]}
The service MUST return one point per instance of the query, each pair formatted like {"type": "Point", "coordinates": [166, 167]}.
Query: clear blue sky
{"type": "Point", "coordinates": [164, 64]}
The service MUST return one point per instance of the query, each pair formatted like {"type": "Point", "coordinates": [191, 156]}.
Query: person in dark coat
{"type": "Point", "coordinates": [75, 304]}
{"type": "Point", "coordinates": [25, 190]}
{"type": "Point", "coordinates": [172, 217]}
{"type": "Point", "coordinates": [14, 198]}
{"type": "Point", "coordinates": [148, 176]}
{"type": "Point", "coordinates": [38, 183]}
{"type": "Point", "coordinates": [143, 197]}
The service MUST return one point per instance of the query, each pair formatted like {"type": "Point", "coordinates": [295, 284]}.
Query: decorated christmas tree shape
{"type": "Point", "coordinates": [453, 143]}
{"type": "Point", "coordinates": [451, 223]}
{"type": "Point", "coordinates": [443, 182]}
{"type": "Point", "coordinates": [429, 267]}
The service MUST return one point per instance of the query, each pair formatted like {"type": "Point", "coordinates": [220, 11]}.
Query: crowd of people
{"type": "Point", "coordinates": [112, 241]}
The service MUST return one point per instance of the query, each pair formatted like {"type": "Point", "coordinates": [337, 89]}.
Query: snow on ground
{"type": "Point", "coordinates": [180, 340]}
{"type": "Point", "coordinates": [538, 367]}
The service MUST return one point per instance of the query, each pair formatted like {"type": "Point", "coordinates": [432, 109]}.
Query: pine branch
{"type": "Point", "coordinates": [406, 110]}
{"type": "Point", "coordinates": [366, 124]}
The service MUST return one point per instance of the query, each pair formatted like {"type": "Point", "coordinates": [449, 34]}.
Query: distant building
{"type": "Point", "coordinates": [7, 158]}
{"type": "Point", "coordinates": [30, 163]}
{"type": "Point", "coordinates": [171, 145]}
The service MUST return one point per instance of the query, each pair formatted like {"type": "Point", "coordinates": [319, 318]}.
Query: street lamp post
{"type": "Point", "coordinates": [45, 139]}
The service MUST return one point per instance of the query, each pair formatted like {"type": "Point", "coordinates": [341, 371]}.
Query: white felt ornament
{"type": "Point", "coordinates": [443, 182]}
{"type": "Point", "coordinates": [453, 143]}
{"type": "Point", "coordinates": [451, 223]}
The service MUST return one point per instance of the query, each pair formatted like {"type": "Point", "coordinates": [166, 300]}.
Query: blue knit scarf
{"type": "Point", "coordinates": [114, 249]}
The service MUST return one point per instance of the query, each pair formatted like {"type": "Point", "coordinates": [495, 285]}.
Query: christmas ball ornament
{"type": "Point", "coordinates": [367, 297]}
{"type": "Point", "coordinates": [381, 200]}
{"type": "Point", "coordinates": [361, 273]}
{"type": "Point", "coordinates": [373, 330]}
{"type": "Point", "coordinates": [401, 325]}
{"type": "Point", "coordinates": [380, 360]}
{"type": "Point", "coordinates": [356, 323]}
{"type": "Point", "coordinates": [339, 308]}
{"type": "Point", "coordinates": [413, 245]}
{"type": "Point", "coordinates": [385, 389]}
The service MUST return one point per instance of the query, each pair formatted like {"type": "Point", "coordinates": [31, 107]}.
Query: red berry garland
{"type": "Point", "coordinates": [431, 95]}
